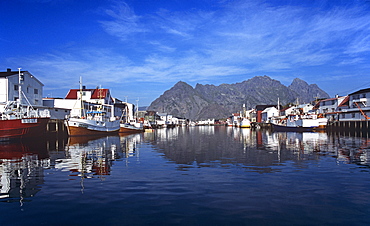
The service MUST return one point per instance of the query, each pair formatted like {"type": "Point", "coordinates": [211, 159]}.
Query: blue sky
{"type": "Point", "coordinates": [141, 48]}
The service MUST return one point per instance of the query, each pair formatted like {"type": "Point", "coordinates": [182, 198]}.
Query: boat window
{"type": "Point", "coordinates": [15, 87]}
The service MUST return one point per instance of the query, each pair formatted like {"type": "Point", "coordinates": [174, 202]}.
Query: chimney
{"type": "Point", "coordinates": [8, 70]}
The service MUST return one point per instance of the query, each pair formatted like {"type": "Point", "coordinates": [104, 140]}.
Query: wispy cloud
{"type": "Point", "coordinates": [123, 22]}
{"type": "Point", "coordinates": [232, 38]}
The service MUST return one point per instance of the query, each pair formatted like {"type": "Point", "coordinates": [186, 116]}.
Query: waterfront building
{"type": "Point", "coordinates": [358, 108]}
{"type": "Point", "coordinates": [32, 88]}
{"type": "Point", "coordinates": [269, 113]}
{"type": "Point", "coordinates": [331, 105]}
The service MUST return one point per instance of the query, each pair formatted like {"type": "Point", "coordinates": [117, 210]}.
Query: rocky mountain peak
{"type": "Point", "coordinates": [210, 101]}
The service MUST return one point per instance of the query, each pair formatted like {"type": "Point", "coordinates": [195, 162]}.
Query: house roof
{"type": "Point", "coordinates": [263, 107]}
{"type": "Point", "coordinates": [345, 102]}
{"type": "Point", "coordinates": [95, 93]}
{"type": "Point", "coordinates": [361, 91]}
{"type": "Point", "coordinates": [269, 109]}
{"type": "Point", "coordinates": [9, 72]}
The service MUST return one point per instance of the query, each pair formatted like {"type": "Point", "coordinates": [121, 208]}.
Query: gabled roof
{"type": "Point", "coordinates": [345, 102]}
{"type": "Point", "coordinates": [263, 107]}
{"type": "Point", "coordinates": [95, 93]}
{"type": "Point", "coordinates": [269, 109]}
{"type": "Point", "coordinates": [361, 91]}
{"type": "Point", "coordinates": [9, 72]}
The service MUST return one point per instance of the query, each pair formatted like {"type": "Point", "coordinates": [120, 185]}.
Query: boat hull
{"type": "Point", "coordinates": [126, 128]}
{"type": "Point", "coordinates": [280, 128]}
{"type": "Point", "coordinates": [22, 128]}
{"type": "Point", "coordinates": [86, 127]}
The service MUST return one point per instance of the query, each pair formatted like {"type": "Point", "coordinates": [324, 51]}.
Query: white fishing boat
{"type": "Point", "coordinates": [301, 123]}
{"type": "Point", "coordinates": [129, 123]}
{"type": "Point", "coordinates": [95, 121]}
{"type": "Point", "coordinates": [245, 123]}
{"type": "Point", "coordinates": [244, 120]}
{"type": "Point", "coordinates": [131, 127]}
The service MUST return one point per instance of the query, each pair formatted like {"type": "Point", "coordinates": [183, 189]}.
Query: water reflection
{"type": "Point", "coordinates": [23, 163]}
{"type": "Point", "coordinates": [22, 167]}
{"type": "Point", "coordinates": [90, 157]}
{"type": "Point", "coordinates": [260, 151]}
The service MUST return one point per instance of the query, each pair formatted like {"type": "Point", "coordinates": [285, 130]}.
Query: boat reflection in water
{"type": "Point", "coordinates": [259, 150]}
{"type": "Point", "coordinates": [204, 175]}
{"type": "Point", "coordinates": [90, 157]}
{"type": "Point", "coordinates": [22, 165]}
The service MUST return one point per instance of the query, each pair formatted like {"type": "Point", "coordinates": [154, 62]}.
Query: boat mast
{"type": "Point", "coordinates": [137, 109]}
{"type": "Point", "coordinates": [81, 101]}
{"type": "Point", "coordinates": [19, 88]}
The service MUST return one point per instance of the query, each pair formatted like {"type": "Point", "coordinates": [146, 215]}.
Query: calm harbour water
{"type": "Point", "coordinates": [188, 176]}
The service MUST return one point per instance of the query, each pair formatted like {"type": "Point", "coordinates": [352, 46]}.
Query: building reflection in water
{"type": "Point", "coordinates": [22, 164]}
{"type": "Point", "coordinates": [260, 151]}
{"type": "Point", "coordinates": [22, 167]}
{"type": "Point", "coordinates": [90, 157]}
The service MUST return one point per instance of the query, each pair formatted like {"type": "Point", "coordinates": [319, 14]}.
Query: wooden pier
{"type": "Point", "coordinates": [350, 128]}
{"type": "Point", "coordinates": [56, 128]}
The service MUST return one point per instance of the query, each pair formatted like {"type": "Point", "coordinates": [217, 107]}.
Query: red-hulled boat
{"type": "Point", "coordinates": [17, 122]}
{"type": "Point", "coordinates": [22, 128]}
{"type": "Point", "coordinates": [21, 121]}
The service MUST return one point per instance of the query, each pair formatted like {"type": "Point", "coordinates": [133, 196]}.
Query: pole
{"type": "Point", "coordinates": [19, 87]}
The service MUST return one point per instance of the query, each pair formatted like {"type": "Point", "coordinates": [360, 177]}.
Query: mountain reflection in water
{"type": "Point", "coordinates": [187, 175]}
{"type": "Point", "coordinates": [255, 150]}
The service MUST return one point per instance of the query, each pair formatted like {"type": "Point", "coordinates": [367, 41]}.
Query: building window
{"type": "Point", "coordinates": [15, 87]}
{"type": "Point", "coordinates": [36, 91]}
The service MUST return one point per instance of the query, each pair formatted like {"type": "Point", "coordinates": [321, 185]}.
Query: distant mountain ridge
{"type": "Point", "coordinates": [210, 101]}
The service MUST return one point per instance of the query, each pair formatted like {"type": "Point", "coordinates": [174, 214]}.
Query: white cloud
{"type": "Point", "coordinates": [236, 38]}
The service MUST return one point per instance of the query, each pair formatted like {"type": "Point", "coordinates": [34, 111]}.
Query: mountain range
{"type": "Point", "coordinates": [210, 101]}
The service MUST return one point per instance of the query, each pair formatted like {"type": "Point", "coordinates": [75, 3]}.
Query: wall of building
{"type": "Point", "coordinates": [30, 86]}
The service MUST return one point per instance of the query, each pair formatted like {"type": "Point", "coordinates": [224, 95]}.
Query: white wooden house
{"type": "Point", "coordinates": [358, 107]}
{"type": "Point", "coordinates": [14, 82]}
{"type": "Point", "coordinates": [269, 113]}
{"type": "Point", "coordinates": [330, 105]}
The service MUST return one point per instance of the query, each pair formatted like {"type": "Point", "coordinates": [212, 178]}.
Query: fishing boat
{"type": "Point", "coordinates": [95, 121]}
{"type": "Point", "coordinates": [130, 124]}
{"type": "Point", "coordinates": [22, 121]}
{"type": "Point", "coordinates": [244, 120]}
{"type": "Point", "coordinates": [301, 123]}
{"type": "Point", "coordinates": [16, 122]}
{"type": "Point", "coordinates": [245, 123]}
{"type": "Point", "coordinates": [129, 128]}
